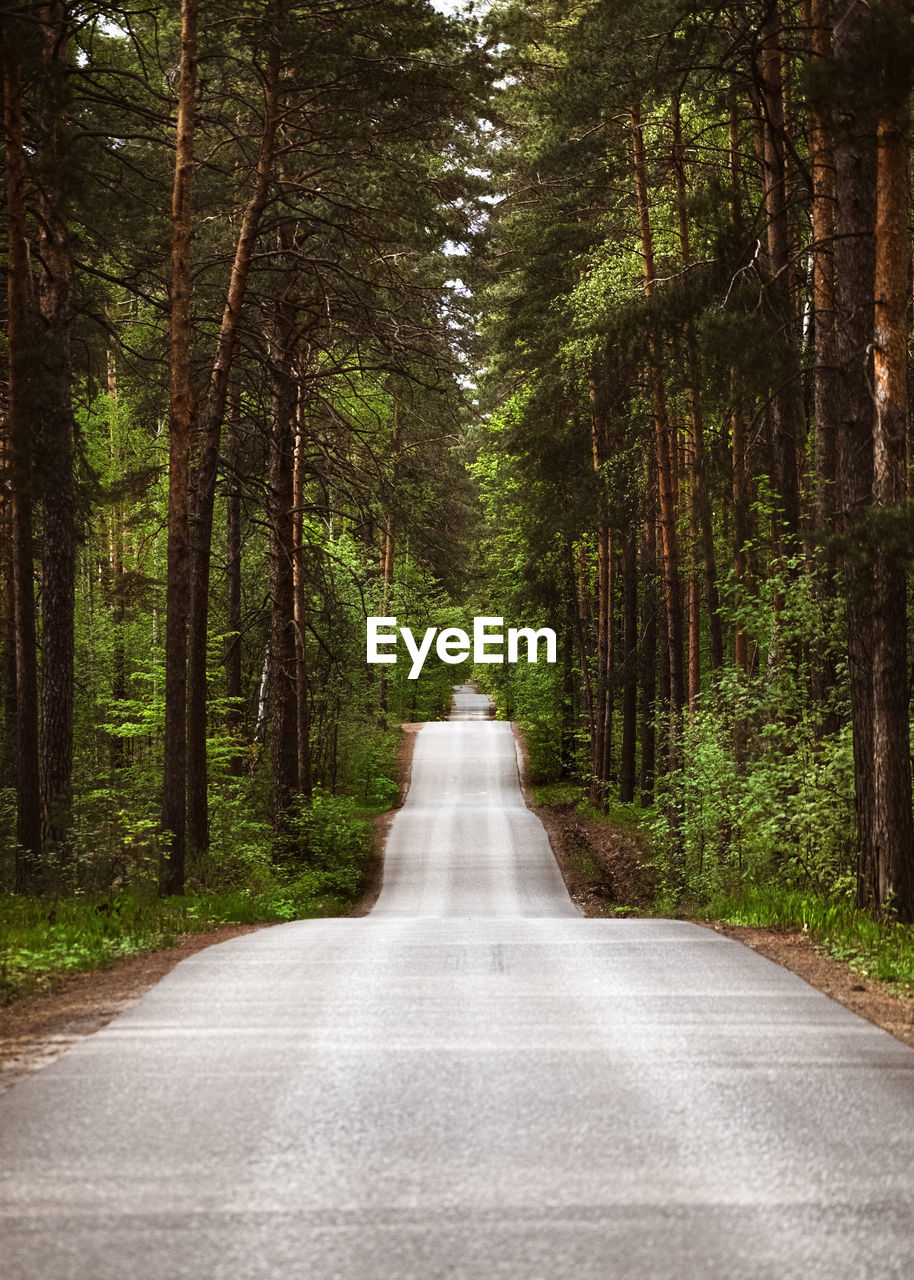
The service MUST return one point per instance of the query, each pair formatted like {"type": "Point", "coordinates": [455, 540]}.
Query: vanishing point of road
{"type": "Point", "coordinates": [472, 1082]}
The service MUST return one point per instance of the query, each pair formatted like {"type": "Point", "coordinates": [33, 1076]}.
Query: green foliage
{"type": "Point", "coordinates": [879, 948]}
{"type": "Point", "coordinates": [46, 938]}
{"type": "Point", "coordinates": [327, 847]}
{"type": "Point", "coordinates": [764, 797]}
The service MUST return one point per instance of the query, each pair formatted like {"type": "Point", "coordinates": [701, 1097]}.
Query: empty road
{"type": "Point", "coordinates": [473, 1082]}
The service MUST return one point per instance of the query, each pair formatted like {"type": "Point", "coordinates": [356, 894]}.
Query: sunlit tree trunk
{"type": "Point", "coordinates": [181, 416]}
{"type": "Point", "coordinates": [893, 827]}
{"type": "Point", "coordinates": [854, 260]}
{"type": "Point", "coordinates": [825, 380]}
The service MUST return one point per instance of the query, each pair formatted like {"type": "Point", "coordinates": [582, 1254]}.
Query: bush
{"type": "Point", "coordinates": [328, 846]}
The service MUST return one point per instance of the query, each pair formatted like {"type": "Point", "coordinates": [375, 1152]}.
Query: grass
{"type": "Point", "coordinates": [881, 949]}
{"type": "Point", "coordinates": [43, 939]}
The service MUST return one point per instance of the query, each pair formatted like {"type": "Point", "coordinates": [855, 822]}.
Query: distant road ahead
{"type": "Point", "coordinates": [473, 1082]}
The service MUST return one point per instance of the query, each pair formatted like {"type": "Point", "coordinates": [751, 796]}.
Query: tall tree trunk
{"type": "Point", "coordinates": [742, 529]}
{"type": "Point", "coordinates": [300, 588]}
{"type": "Point", "coordinates": [117, 754]}
{"type": "Point", "coordinates": [281, 500]}
{"type": "Point", "coordinates": [180, 434]}
{"type": "Point", "coordinates": [854, 260]}
{"type": "Point", "coordinates": [786, 399]}
{"type": "Point", "coordinates": [58, 560]}
{"type": "Point", "coordinates": [20, 343]}
{"type": "Point", "coordinates": [577, 592]}
{"type": "Point", "coordinates": [201, 528]}
{"type": "Point", "coordinates": [666, 452]}
{"type": "Point", "coordinates": [701, 524]}
{"type": "Point", "coordinates": [234, 686]}
{"type": "Point", "coordinates": [648, 649]}
{"type": "Point", "coordinates": [8, 762]}
{"type": "Point", "coordinates": [826, 388]}
{"type": "Point", "coordinates": [893, 826]}
{"type": "Point", "coordinates": [630, 664]}
{"type": "Point", "coordinates": [388, 551]}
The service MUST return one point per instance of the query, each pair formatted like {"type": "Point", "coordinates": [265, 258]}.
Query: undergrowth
{"type": "Point", "coordinates": [317, 871]}
{"type": "Point", "coordinates": [878, 948]}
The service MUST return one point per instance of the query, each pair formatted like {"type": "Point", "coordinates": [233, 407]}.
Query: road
{"type": "Point", "coordinates": [473, 1082]}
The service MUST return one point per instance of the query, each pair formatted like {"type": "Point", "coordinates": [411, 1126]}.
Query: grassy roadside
{"type": "Point", "coordinates": [880, 950]}
{"type": "Point", "coordinates": [44, 939]}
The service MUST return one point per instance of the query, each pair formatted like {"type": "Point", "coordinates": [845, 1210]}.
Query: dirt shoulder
{"type": "Point", "coordinates": [37, 1029]}
{"type": "Point", "coordinates": [603, 870]}
{"type": "Point", "coordinates": [374, 875]}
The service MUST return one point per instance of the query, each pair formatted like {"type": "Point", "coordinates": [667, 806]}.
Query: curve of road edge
{"type": "Point", "coordinates": [473, 1081]}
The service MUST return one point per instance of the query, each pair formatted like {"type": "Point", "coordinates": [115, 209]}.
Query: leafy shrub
{"type": "Point", "coordinates": [328, 846]}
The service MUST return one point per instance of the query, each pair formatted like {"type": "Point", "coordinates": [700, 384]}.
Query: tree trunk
{"type": "Point", "coordinates": [10, 754]}
{"type": "Point", "coordinates": [786, 399]}
{"type": "Point", "coordinates": [701, 523]}
{"type": "Point", "coordinates": [58, 560]}
{"type": "Point", "coordinates": [284, 719]}
{"type": "Point", "coordinates": [21, 377]}
{"type": "Point", "coordinates": [602, 738]}
{"type": "Point", "coordinates": [234, 687]}
{"type": "Point", "coordinates": [893, 827]}
{"type": "Point", "coordinates": [300, 588]}
{"type": "Point", "coordinates": [854, 260]}
{"type": "Point", "coordinates": [648, 651]}
{"type": "Point", "coordinates": [388, 552]}
{"type": "Point", "coordinates": [665, 448]}
{"type": "Point", "coordinates": [180, 432]}
{"type": "Point", "coordinates": [630, 664]}
{"type": "Point", "coordinates": [201, 529]}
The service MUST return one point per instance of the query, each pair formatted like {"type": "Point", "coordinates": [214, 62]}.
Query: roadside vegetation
{"type": "Point", "coordinates": [89, 921]}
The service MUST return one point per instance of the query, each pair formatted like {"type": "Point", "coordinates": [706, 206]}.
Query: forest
{"type": "Point", "coordinates": [589, 316]}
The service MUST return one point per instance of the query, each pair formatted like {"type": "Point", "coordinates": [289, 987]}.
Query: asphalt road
{"type": "Point", "coordinates": [473, 1082]}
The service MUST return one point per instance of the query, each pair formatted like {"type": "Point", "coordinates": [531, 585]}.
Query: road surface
{"type": "Point", "coordinates": [473, 1082]}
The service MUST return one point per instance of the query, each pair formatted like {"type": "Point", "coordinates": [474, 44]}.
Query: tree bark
{"type": "Point", "coordinates": [893, 825]}
{"type": "Point", "coordinates": [648, 648]}
{"type": "Point", "coordinates": [701, 523]}
{"type": "Point", "coordinates": [58, 560]}
{"type": "Point", "coordinates": [630, 664]}
{"type": "Point", "coordinates": [786, 399]}
{"type": "Point", "coordinates": [234, 686]}
{"type": "Point", "coordinates": [388, 551]}
{"type": "Point", "coordinates": [854, 260]}
{"type": "Point", "coordinates": [665, 448]}
{"type": "Point", "coordinates": [825, 377]}
{"type": "Point", "coordinates": [281, 500]}
{"type": "Point", "coordinates": [180, 434]}
{"type": "Point", "coordinates": [20, 342]}
{"type": "Point", "coordinates": [300, 588]}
